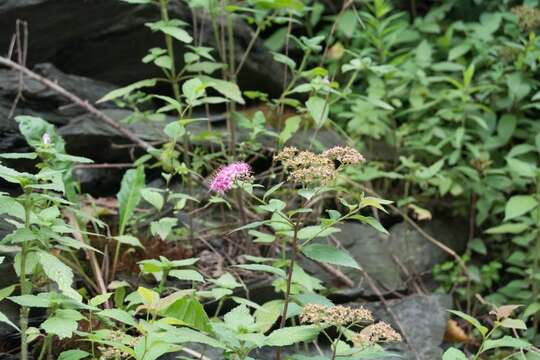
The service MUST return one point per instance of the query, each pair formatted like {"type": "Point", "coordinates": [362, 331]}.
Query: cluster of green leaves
{"type": "Point", "coordinates": [456, 104]}
{"type": "Point", "coordinates": [492, 339]}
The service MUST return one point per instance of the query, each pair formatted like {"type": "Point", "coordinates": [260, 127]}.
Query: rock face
{"type": "Point", "coordinates": [422, 318]}
{"type": "Point", "coordinates": [389, 260]}
{"type": "Point", "coordinates": [106, 39]}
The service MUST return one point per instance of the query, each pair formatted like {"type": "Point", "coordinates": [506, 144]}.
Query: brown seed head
{"type": "Point", "coordinates": [376, 333]}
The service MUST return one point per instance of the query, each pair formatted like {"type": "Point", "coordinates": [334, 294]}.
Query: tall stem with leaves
{"type": "Point", "coordinates": [26, 287]}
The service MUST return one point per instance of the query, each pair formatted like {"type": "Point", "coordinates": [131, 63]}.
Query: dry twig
{"type": "Point", "coordinates": [76, 100]}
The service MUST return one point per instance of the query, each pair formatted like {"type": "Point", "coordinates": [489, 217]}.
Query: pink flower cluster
{"type": "Point", "coordinates": [223, 180]}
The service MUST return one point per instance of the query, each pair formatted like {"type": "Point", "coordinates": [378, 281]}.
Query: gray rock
{"type": "Point", "coordinates": [422, 319]}
{"type": "Point", "coordinates": [384, 257]}
{"type": "Point", "coordinates": [38, 100]}
{"type": "Point", "coordinates": [111, 46]}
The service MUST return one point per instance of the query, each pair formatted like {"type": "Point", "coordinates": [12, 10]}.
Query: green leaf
{"type": "Point", "coordinates": [63, 323]}
{"type": "Point", "coordinates": [329, 254]}
{"type": "Point", "coordinates": [129, 195]}
{"type": "Point", "coordinates": [189, 275]}
{"type": "Point", "coordinates": [153, 197]}
{"type": "Point", "coordinates": [99, 299]}
{"type": "Point", "coordinates": [5, 319]}
{"type": "Point", "coordinates": [239, 319]}
{"type": "Point", "coordinates": [77, 354]}
{"type": "Point", "coordinates": [292, 125]}
{"type": "Point", "coordinates": [149, 297]}
{"type": "Point", "coordinates": [454, 354]}
{"type": "Point", "coordinates": [163, 227]}
{"type": "Point", "coordinates": [521, 167]}
{"type": "Point", "coordinates": [514, 324]}
{"type": "Point", "coordinates": [313, 231]}
{"type": "Point", "coordinates": [505, 341]}
{"type": "Point", "coordinates": [118, 315]}
{"type": "Point", "coordinates": [508, 229]}
{"type": "Point", "coordinates": [12, 207]}
{"type": "Point", "coordinates": [126, 90]}
{"type": "Point", "coordinates": [193, 89]}
{"type": "Point", "coordinates": [172, 28]}
{"type": "Point", "coordinates": [371, 221]}
{"type": "Point", "coordinates": [481, 328]}
{"type": "Point", "coordinates": [190, 311]}
{"type": "Point", "coordinates": [318, 109]}
{"type": "Point", "coordinates": [129, 240]}
{"type": "Point", "coordinates": [5, 292]}
{"type": "Point", "coordinates": [292, 335]}
{"type": "Point", "coordinates": [519, 205]}
{"type": "Point", "coordinates": [226, 281]}
{"type": "Point", "coordinates": [175, 130]}
{"type": "Point", "coordinates": [58, 272]}
{"type": "Point", "coordinates": [264, 268]}
{"type": "Point", "coordinates": [267, 315]}
{"type": "Point", "coordinates": [225, 88]}
{"type": "Point", "coordinates": [31, 300]}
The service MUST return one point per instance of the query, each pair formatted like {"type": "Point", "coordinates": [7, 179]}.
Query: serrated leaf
{"type": "Point", "coordinates": [60, 273]}
{"type": "Point", "coordinates": [63, 323]}
{"type": "Point", "coordinates": [330, 255]}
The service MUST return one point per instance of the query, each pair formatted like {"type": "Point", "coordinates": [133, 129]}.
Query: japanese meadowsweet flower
{"type": "Point", "coordinates": [224, 179]}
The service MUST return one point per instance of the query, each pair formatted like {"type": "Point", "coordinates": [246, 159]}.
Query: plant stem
{"type": "Point", "coordinates": [289, 282]}
{"type": "Point", "coordinates": [44, 347]}
{"type": "Point", "coordinates": [170, 49]}
{"type": "Point", "coordinates": [25, 287]}
{"type": "Point", "coordinates": [536, 261]}
{"type": "Point", "coordinates": [162, 281]}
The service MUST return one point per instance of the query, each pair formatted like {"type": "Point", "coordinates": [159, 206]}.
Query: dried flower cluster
{"type": "Point", "coordinates": [376, 333]}
{"type": "Point", "coordinates": [334, 315]}
{"type": "Point", "coordinates": [109, 352]}
{"type": "Point", "coordinates": [224, 179]}
{"type": "Point", "coordinates": [528, 17]}
{"type": "Point", "coordinates": [307, 167]}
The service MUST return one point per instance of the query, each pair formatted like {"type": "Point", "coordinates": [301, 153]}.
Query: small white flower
{"type": "Point", "coordinates": [46, 139]}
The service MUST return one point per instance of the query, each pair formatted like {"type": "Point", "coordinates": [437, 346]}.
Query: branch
{"type": "Point", "coordinates": [76, 100]}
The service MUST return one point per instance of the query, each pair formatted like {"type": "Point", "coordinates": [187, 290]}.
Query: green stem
{"type": "Point", "coordinates": [536, 262]}
{"type": "Point", "coordinates": [46, 343]}
{"type": "Point", "coordinates": [170, 49]}
{"type": "Point", "coordinates": [289, 282]}
{"type": "Point", "coordinates": [162, 281]}
{"type": "Point", "coordinates": [25, 287]}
